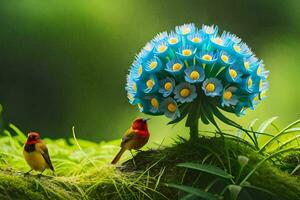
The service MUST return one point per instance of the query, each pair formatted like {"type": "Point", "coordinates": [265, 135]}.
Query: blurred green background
{"type": "Point", "coordinates": [64, 63]}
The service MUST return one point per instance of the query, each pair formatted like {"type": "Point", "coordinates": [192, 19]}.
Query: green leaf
{"type": "Point", "coordinates": [265, 124]}
{"type": "Point", "coordinates": [251, 124]}
{"type": "Point", "coordinates": [203, 117]}
{"type": "Point", "coordinates": [207, 168]}
{"type": "Point", "coordinates": [292, 130]}
{"type": "Point", "coordinates": [224, 119]}
{"type": "Point", "coordinates": [190, 197]}
{"type": "Point", "coordinates": [207, 108]}
{"type": "Point", "coordinates": [195, 191]}
{"type": "Point", "coordinates": [260, 189]}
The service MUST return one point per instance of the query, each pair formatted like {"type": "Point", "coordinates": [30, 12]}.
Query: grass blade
{"type": "Point", "coordinates": [266, 124]}
{"type": "Point", "coordinates": [195, 191]}
{"type": "Point", "coordinates": [289, 141]}
{"type": "Point", "coordinates": [283, 131]}
{"type": "Point", "coordinates": [296, 169]}
{"type": "Point", "coordinates": [207, 168]}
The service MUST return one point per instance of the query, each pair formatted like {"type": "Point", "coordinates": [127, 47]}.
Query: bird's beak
{"type": "Point", "coordinates": [146, 119]}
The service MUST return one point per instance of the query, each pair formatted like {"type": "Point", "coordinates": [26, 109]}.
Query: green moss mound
{"type": "Point", "coordinates": [147, 180]}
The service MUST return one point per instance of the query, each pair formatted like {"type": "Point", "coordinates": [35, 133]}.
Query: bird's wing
{"type": "Point", "coordinates": [44, 151]}
{"type": "Point", "coordinates": [129, 134]}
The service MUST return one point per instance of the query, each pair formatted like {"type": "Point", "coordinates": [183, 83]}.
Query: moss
{"type": "Point", "coordinates": [146, 180]}
{"type": "Point", "coordinates": [16, 185]}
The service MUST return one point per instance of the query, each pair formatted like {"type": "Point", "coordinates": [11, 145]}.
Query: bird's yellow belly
{"type": "Point", "coordinates": [35, 160]}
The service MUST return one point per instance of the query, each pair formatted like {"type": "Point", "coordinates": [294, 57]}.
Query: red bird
{"type": "Point", "coordinates": [134, 138]}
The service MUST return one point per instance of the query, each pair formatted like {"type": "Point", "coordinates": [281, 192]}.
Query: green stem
{"type": "Point", "coordinates": [194, 131]}
{"type": "Point", "coordinates": [193, 118]}
{"type": "Point", "coordinates": [239, 174]}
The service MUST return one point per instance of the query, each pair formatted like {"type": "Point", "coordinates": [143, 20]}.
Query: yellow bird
{"type": "Point", "coordinates": [36, 153]}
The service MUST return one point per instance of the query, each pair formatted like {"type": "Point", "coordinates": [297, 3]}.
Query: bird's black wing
{"type": "Point", "coordinates": [46, 156]}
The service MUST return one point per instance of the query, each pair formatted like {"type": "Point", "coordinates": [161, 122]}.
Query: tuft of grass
{"type": "Point", "coordinates": [83, 170]}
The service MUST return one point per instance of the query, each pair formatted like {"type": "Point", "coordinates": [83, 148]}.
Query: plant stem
{"type": "Point", "coordinates": [194, 131]}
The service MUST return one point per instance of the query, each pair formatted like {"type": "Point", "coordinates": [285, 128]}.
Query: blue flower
{"type": "Point", "coordinates": [175, 67]}
{"type": "Point", "coordinates": [210, 30]}
{"type": "Point", "coordinates": [186, 52]}
{"type": "Point", "coordinates": [185, 29]}
{"type": "Point", "coordinates": [194, 74]}
{"type": "Point", "coordinates": [249, 64]}
{"type": "Point", "coordinates": [233, 38]}
{"type": "Point", "coordinates": [146, 52]}
{"type": "Point", "coordinates": [220, 41]}
{"type": "Point", "coordinates": [229, 98]}
{"type": "Point", "coordinates": [190, 62]}
{"type": "Point", "coordinates": [185, 92]}
{"type": "Point", "coordinates": [160, 37]}
{"type": "Point", "coordinates": [241, 50]}
{"type": "Point", "coordinates": [161, 49]}
{"type": "Point", "coordinates": [154, 104]}
{"type": "Point", "coordinates": [132, 98]}
{"type": "Point", "coordinates": [248, 84]}
{"type": "Point", "coordinates": [150, 84]}
{"type": "Point", "coordinates": [170, 108]}
{"type": "Point", "coordinates": [137, 70]}
{"type": "Point", "coordinates": [131, 85]}
{"type": "Point", "coordinates": [153, 65]}
{"type": "Point", "coordinates": [263, 85]}
{"type": "Point", "coordinates": [174, 40]}
{"type": "Point", "coordinates": [197, 39]}
{"type": "Point", "coordinates": [212, 87]}
{"type": "Point", "coordinates": [167, 86]}
{"type": "Point", "coordinates": [225, 58]}
{"type": "Point", "coordinates": [207, 57]}
{"type": "Point", "coordinates": [233, 74]}
{"type": "Point", "coordinates": [261, 71]}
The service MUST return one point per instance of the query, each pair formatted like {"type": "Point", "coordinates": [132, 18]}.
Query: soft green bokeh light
{"type": "Point", "coordinates": [64, 63]}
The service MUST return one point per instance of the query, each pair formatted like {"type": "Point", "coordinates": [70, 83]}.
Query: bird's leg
{"type": "Point", "coordinates": [41, 174]}
{"type": "Point", "coordinates": [27, 173]}
{"type": "Point", "coordinates": [132, 158]}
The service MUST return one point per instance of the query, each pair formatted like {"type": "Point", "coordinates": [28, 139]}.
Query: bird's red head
{"type": "Point", "coordinates": [140, 124]}
{"type": "Point", "coordinates": [33, 138]}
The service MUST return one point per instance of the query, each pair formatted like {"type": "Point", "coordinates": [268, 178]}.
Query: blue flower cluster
{"type": "Point", "coordinates": [195, 65]}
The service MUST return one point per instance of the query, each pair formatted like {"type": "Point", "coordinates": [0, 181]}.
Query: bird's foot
{"type": "Point", "coordinates": [40, 175]}
{"type": "Point", "coordinates": [27, 173]}
{"type": "Point", "coordinates": [152, 150]}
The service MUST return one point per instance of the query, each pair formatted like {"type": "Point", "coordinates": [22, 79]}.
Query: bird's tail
{"type": "Point", "coordinates": [118, 156]}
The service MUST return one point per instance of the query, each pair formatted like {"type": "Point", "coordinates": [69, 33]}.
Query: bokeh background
{"type": "Point", "coordinates": [64, 63]}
